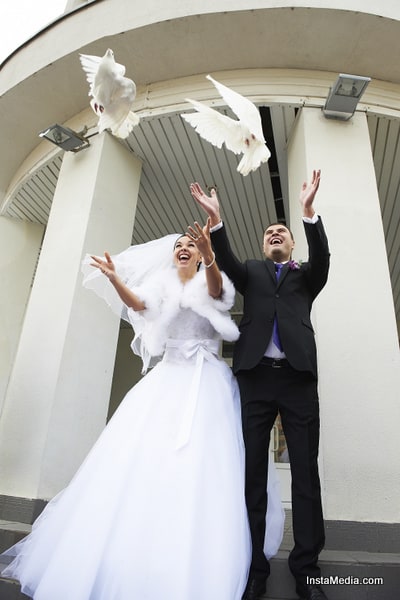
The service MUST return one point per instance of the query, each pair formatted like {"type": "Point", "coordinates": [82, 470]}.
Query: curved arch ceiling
{"type": "Point", "coordinates": [42, 83]}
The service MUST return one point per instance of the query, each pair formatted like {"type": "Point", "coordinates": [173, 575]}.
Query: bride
{"type": "Point", "coordinates": [157, 509]}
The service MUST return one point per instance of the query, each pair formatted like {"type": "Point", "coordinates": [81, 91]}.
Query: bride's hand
{"type": "Point", "coordinates": [106, 266]}
{"type": "Point", "coordinates": [201, 237]}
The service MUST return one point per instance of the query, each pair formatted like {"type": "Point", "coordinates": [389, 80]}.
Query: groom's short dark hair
{"type": "Point", "coordinates": [279, 223]}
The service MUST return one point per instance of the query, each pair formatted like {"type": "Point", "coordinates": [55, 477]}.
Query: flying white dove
{"type": "Point", "coordinates": [112, 93]}
{"type": "Point", "coordinates": [242, 136]}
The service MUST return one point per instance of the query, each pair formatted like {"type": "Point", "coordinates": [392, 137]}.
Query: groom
{"type": "Point", "coordinates": [276, 367]}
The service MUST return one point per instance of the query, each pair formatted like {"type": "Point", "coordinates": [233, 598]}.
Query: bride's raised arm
{"type": "Point", "coordinates": [107, 267]}
{"type": "Point", "coordinates": [201, 237]}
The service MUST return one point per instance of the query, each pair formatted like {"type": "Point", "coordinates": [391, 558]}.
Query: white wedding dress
{"type": "Point", "coordinates": [157, 509]}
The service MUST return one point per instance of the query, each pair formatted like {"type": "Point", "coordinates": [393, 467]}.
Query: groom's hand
{"type": "Point", "coordinates": [209, 204]}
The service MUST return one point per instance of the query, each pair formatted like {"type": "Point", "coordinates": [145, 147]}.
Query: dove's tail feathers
{"type": "Point", "coordinates": [123, 130]}
{"type": "Point", "coordinates": [120, 128]}
{"type": "Point", "coordinates": [252, 159]}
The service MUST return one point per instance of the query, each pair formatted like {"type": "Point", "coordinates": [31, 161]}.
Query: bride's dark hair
{"type": "Point", "coordinates": [177, 240]}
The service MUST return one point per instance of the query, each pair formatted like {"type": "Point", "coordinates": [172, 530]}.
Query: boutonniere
{"type": "Point", "coordinates": [294, 265]}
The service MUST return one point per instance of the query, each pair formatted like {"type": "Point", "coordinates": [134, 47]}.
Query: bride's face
{"type": "Point", "coordinates": [186, 255]}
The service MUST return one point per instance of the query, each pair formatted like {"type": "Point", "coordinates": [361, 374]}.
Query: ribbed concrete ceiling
{"type": "Point", "coordinates": [173, 155]}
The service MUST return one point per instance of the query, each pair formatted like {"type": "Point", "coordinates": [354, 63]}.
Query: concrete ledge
{"type": "Point", "coordinates": [10, 590]}
{"type": "Point", "coordinates": [20, 510]}
{"type": "Point", "coordinates": [367, 537]}
{"type": "Point", "coordinates": [352, 536]}
{"type": "Point", "coordinates": [344, 576]}
{"type": "Point", "coordinates": [11, 533]}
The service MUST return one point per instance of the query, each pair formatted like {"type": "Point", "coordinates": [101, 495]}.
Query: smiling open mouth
{"type": "Point", "coordinates": [276, 241]}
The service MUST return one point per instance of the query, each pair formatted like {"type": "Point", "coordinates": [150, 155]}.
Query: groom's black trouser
{"type": "Point", "coordinates": [265, 391]}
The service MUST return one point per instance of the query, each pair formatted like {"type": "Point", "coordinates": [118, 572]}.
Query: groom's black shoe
{"type": "Point", "coordinates": [255, 589]}
{"type": "Point", "coordinates": [311, 592]}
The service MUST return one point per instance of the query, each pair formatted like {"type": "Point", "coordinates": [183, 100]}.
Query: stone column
{"type": "Point", "coordinates": [58, 395]}
{"type": "Point", "coordinates": [19, 249]}
{"type": "Point", "coordinates": [354, 320]}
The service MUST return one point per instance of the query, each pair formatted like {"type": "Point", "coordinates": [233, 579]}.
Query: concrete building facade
{"type": "Point", "coordinates": [59, 343]}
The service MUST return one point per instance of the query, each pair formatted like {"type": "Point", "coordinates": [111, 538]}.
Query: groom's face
{"type": "Point", "coordinates": [278, 242]}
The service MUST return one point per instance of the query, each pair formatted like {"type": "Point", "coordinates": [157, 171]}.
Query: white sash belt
{"type": "Point", "coordinates": [184, 350]}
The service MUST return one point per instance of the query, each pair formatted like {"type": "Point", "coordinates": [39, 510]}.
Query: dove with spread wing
{"type": "Point", "coordinates": [112, 93]}
{"type": "Point", "coordinates": [243, 136]}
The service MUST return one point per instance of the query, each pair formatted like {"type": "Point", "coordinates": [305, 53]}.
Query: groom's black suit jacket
{"type": "Point", "coordinates": [290, 298]}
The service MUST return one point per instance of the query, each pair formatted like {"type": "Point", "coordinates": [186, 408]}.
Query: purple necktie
{"type": "Point", "coordinates": [275, 332]}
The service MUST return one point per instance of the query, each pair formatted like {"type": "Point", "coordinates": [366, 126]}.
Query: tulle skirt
{"type": "Point", "coordinates": [150, 515]}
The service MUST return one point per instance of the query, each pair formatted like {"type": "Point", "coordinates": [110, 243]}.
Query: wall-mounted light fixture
{"type": "Point", "coordinates": [344, 96]}
{"type": "Point", "coordinates": [65, 138]}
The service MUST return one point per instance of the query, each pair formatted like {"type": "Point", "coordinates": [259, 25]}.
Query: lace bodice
{"type": "Point", "coordinates": [189, 325]}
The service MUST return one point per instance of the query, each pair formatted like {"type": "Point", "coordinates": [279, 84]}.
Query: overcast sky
{"type": "Point", "coordinates": [20, 19]}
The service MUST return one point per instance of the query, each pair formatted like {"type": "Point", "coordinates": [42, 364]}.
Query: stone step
{"type": "Point", "coordinates": [341, 571]}
{"type": "Point", "coordinates": [10, 590]}
{"type": "Point", "coordinates": [346, 575]}
{"type": "Point", "coordinates": [10, 533]}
